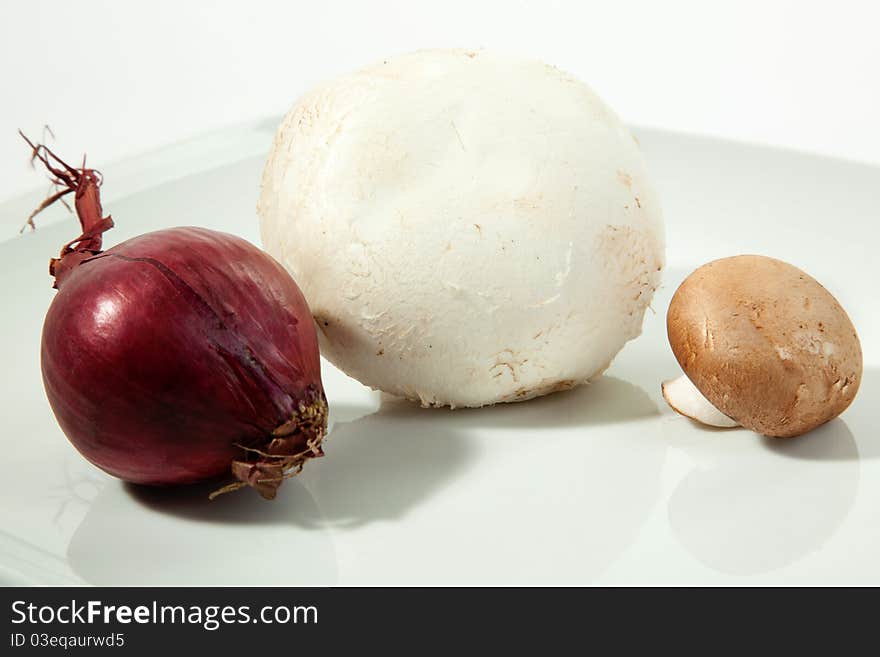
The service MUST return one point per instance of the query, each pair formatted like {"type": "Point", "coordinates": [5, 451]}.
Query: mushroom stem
{"type": "Point", "coordinates": [684, 398]}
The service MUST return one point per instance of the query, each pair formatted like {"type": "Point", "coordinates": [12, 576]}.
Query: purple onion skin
{"type": "Point", "coordinates": [168, 354]}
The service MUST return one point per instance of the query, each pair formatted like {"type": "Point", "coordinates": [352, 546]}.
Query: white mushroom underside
{"type": "Point", "coordinates": [684, 398]}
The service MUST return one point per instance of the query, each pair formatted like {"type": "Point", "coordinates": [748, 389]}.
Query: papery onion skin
{"type": "Point", "coordinates": [182, 355]}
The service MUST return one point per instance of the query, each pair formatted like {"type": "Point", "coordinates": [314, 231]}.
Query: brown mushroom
{"type": "Point", "coordinates": [765, 344]}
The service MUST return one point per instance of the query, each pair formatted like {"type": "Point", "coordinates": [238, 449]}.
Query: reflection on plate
{"type": "Point", "coordinates": [764, 503]}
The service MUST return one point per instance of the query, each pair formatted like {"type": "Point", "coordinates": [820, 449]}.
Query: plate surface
{"type": "Point", "coordinates": [602, 484]}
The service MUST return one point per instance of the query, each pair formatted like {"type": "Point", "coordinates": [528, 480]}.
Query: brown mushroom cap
{"type": "Point", "coordinates": [766, 344]}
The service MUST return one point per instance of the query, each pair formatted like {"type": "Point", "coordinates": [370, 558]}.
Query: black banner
{"type": "Point", "coordinates": [251, 621]}
{"type": "Point", "coordinates": [255, 620]}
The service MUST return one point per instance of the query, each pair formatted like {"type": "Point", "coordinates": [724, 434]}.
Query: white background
{"type": "Point", "coordinates": [119, 78]}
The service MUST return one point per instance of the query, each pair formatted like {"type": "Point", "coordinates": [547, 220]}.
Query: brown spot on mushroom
{"type": "Point", "coordinates": [624, 178]}
{"type": "Point", "coordinates": [509, 367]}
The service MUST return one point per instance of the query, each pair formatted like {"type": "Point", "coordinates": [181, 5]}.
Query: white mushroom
{"type": "Point", "coordinates": [468, 228]}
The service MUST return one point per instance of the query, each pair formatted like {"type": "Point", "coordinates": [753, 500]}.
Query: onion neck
{"type": "Point", "coordinates": [85, 184]}
{"type": "Point", "coordinates": [90, 214]}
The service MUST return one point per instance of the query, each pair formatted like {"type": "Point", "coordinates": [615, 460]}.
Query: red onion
{"type": "Point", "coordinates": [179, 355]}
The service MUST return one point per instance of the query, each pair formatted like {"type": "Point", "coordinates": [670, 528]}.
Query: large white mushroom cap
{"type": "Point", "coordinates": [468, 228]}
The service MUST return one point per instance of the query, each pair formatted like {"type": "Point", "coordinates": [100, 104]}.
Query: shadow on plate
{"type": "Point", "coordinates": [381, 465]}
{"type": "Point", "coordinates": [606, 400]}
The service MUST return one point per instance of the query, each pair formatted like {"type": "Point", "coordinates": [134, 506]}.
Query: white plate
{"type": "Point", "coordinates": [602, 484]}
